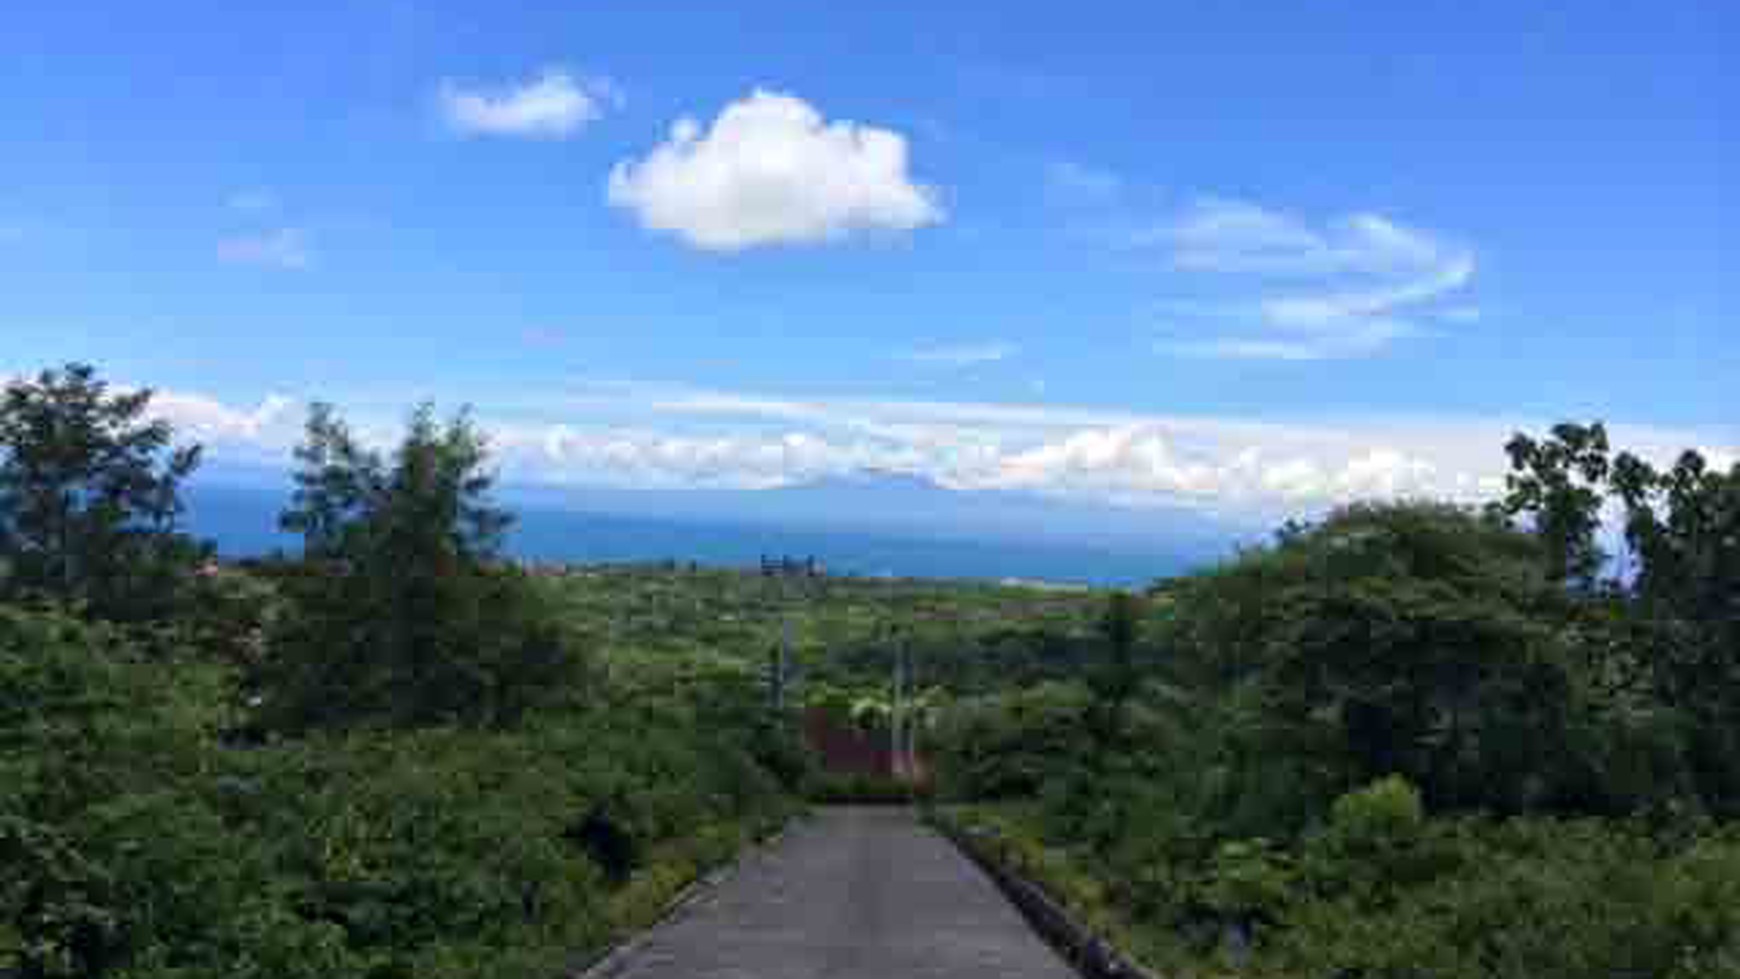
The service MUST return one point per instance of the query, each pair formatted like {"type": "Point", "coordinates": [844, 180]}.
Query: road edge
{"type": "Point", "coordinates": [1086, 952]}
{"type": "Point", "coordinates": [606, 962]}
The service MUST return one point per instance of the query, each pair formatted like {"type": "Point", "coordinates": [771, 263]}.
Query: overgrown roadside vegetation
{"type": "Point", "coordinates": [390, 758]}
{"type": "Point", "coordinates": [1409, 741]}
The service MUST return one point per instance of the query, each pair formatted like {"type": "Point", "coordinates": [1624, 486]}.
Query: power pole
{"type": "Point", "coordinates": [784, 667]}
{"type": "Point", "coordinates": [897, 716]}
{"type": "Point", "coordinates": [912, 714]}
{"type": "Point", "coordinates": [786, 569]}
{"type": "Point", "coordinates": [775, 678]}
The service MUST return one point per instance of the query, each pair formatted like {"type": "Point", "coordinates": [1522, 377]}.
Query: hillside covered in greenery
{"type": "Point", "coordinates": [1408, 740]}
{"type": "Point", "coordinates": [391, 757]}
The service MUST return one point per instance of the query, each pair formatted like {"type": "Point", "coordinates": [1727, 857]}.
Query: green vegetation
{"type": "Point", "coordinates": [390, 759]}
{"type": "Point", "coordinates": [1409, 741]}
{"type": "Point", "coordinates": [401, 615]}
{"type": "Point", "coordinates": [137, 842]}
{"type": "Point", "coordinates": [88, 497]}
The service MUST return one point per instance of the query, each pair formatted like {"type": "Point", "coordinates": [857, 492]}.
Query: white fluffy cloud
{"type": "Point", "coordinates": [205, 418]}
{"type": "Point", "coordinates": [284, 248]}
{"type": "Point", "coordinates": [771, 170]}
{"type": "Point", "coordinates": [1121, 462]}
{"type": "Point", "coordinates": [1348, 288]}
{"type": "Point", "coordinates": [553, 105]}
{"type": "Point", "coordinates": [1721, 460]}
{"type": "Point", "coordinates": [1137, 464]}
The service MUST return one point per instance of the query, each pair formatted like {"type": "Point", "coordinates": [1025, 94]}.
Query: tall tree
{"type": "Point", "coordinates": [1114, 684]}
{"type": "Point", "coordinates": [1559, 481]}
{"type": "Point", "coordinates": [404, 615]}
{"type": "Point", "coordinates": [1684, 617]}
{"type": "Point", "coordinates": [1681, 524]}
{"type": "Point", "coordinates": [1674, 620]}
{"type": "Point", "coordinates": [90, 495]}
{"type": "Point", "coordinates": [428, 506]}
{"type": "Point", "coordinates": [1119, 625]}
{"type": "Point", "coordinates": [336, 481]}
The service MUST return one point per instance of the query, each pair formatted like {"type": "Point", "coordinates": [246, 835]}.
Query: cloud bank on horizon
{"type": "Point", "coordinates": [633, 435]}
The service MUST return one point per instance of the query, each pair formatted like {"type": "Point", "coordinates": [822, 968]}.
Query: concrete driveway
{"type": "Point", "coordinates": [856, 893]}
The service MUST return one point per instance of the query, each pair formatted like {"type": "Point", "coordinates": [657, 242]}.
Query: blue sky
{"type": "Point", "coordinates": [1127, 251]}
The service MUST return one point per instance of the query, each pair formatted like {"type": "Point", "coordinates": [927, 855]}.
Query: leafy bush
{"type": "Point", "coordinates": [1010, 747]}
{"type": "Point", "coordinates": [1582, 900]}
{"type": "Point", "coordinates": [1395, 744]}
{"type": "Point", "coordinates": [1248, 882]}
{"type": "Point", "coordinates": [1380, 818]}
{"type": "Point", "coordinates": [348, 654]}
{"type": "Point", "coordinates": [134, 844]}
{"type": "Point", "coordinates": [1518, 899]}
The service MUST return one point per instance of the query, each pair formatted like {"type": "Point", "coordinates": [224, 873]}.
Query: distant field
{"type": "Point", "coordinates": [964, 636]}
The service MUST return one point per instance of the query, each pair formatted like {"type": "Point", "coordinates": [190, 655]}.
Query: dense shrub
{"type": "Point", "coordinates": [1412, 742]}
{"type": "Point", "coordinates": [1011, 746]}
{"type": "Point", "coordinates": [1579, 899]}
{"type": "Point", "coordinates": [135, 844]}
{"type": "Point", "coordinates": [356, 651]}
{"type": "Point", "coordinates": [1379, 893]}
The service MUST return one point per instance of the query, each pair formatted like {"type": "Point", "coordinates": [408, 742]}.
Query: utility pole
{"type": "Point", "coordinates": [786, 569]}
{"type": "Point", "coordinates": [784, 653]}
{"type": "Point", "coordinates": [913, 714]}
{"type": "Point", "coordinates": [897, 718]}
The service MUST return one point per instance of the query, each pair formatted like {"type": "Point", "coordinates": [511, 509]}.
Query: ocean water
{"type": "Point", "coordinates": [242, 522]}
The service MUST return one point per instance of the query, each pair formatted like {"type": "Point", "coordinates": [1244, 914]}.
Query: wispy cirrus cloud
{"type": "Point", "coordinates": [1073, 182]}
{"type": "Point", "coordinates": [1459, 314]}
{"type": "Point", "coordinates": [961, 354]}
{"type": "Point", "coordinates": [771, 170]}
{"type": "Point", "coordinates": [1347, 343]}
{"type": "Point", "coordinates": [280, 248]}
{"type": "Point", "coordinates": [1350, 287]}
{"type": "Point", "coordinates": [554, 105]}
{"type": "Point", "coordinates": [1216, 234]}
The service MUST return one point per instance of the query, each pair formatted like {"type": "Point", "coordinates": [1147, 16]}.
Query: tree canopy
{"type": "Point", "coordinates": [402, 615]}
{"type": "Point", "coordinates": [90, 496]}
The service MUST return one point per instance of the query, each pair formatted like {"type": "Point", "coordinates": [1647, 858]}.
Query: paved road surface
{"type": "Point", "coordinates": [851, 894]}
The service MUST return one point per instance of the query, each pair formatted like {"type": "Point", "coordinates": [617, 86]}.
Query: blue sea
{"type": "Point", "coordinates": [242, 522]}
